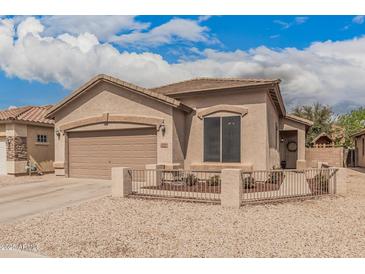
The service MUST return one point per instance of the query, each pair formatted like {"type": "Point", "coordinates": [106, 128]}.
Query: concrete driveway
{"type": "Point", "coordinates": [32, 195]}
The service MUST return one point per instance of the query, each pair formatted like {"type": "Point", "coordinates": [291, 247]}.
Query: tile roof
{"type": "Point", "coordinates": [34, 114]}
{"type": "Point", "coordinates": [102, 77]}
{"type": "Point", "coordinates": [357, 134]}
{"type": "Point", "coordinates": [299, 119]}
{"type": "Point", "coordinates": [323, 134]}
{"type": "Point", "coordinates": [202, 84]}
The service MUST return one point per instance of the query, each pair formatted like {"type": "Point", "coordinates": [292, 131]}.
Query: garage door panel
{"type": "Point", "coordinates": [104, 161]}
{"type": "Point", "coordinates": [112, 154]}
{"type": "Point", "coordinates": [99, 143]}
{"type": "Point", "coordinates": [120, 148]}
{"type": "Point", "coordinates": [93, 154]}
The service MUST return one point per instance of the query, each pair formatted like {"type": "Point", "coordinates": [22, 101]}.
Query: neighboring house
{"type": "Point", "coordinates": [359, 139]}
{"type": "Point", "coordinates": [200, 124]}
{"type": "Point", "coordinates": [323, 140]}
{"type": "Point", "coordinates": [26, 135]}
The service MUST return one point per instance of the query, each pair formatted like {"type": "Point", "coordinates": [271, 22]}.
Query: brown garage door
{"type": "Point", "coordinates": [93, 154]}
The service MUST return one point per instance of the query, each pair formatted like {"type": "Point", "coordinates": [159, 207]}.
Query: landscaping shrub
{"type": "Point", "coordinates": [214, 180]}
{"type": "Point", "coordinates": [190, 179]}
{"type": "Point", "coordinates": [319, 184]}
{"type": "Point", "coordinates": [248, 182]}
{"type": "Point", "coordinates": [276, 177]}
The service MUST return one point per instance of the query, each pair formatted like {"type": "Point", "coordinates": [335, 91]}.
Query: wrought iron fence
{"type": "Point", "coordinates": [181, 184]}
{"type": "Point", "coordinates": [282, 184]}
{"type": "Point", "coordinates": [259, 185]}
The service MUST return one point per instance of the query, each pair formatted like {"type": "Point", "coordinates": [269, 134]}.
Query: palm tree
{"type": "Point", "coordinates": [320, 115]}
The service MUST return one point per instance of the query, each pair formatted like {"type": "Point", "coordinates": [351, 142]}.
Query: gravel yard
{"type": "Point", "coordinates": [326, 227]}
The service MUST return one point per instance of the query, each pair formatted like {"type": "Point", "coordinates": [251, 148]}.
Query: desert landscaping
{"type": "Point", "coordinates": [117, 227]}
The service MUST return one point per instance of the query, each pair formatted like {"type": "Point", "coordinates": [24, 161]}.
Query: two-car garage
{"type": "Point", "coordinates": [110, 123]}
{"type": "Point", "coordinates": [92, 154]}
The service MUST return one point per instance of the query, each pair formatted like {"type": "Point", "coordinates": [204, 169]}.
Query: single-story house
{"type": "Point", "coordinates": [199, 124]}
{"type": "Point", "coordinates": [323, 140]}
{"type": "Point", "coordinates": [359, 139]}
{"type": "Point", "coordinates": [26, 136]}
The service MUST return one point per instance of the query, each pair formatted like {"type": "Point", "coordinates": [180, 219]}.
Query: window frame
{"type": "Point", "coordinates": [221, 139]}
{"type": "Point", "coordinates": [42, 139]}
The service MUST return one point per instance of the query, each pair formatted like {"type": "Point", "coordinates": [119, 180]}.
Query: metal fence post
{"type": "Point", "coordinates": [121, 181]}
{"type": "Point", "coordinates": [155, 176]}
{"type": "Point", "coordinates": [231, 188]}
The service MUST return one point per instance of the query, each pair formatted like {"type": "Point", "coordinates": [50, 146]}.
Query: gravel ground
{"type": "Point", "coordinates": [326, 227]}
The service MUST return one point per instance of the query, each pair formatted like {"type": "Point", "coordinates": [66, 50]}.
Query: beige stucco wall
{"type": "Point", "coordinates": [254, 136]}
{"type": "Point", "coordinates": [42, 153]}
{"type": "Point", "coordinates": [333, 156]}
{"type": "Point", "coordinates": [2, 130]}
{"type": "Point", "coordinates": [179, 144]}
{"type": "Point", "coordinates": [182, 142]}
{"type": "Point", "coordinates": [273, 120]}
{"type": "Point", "coordinates": [107, 98]}
{"type": "Point", "coordinates": [359, 148]}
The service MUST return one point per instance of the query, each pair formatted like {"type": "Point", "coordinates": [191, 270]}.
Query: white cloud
{"type": "Point", "coordinates": [331, 72]}
{"type": "Point", "coordinates": [274, 36]}
{"type": "Point", "coordinates": [103, 27]}
{"type": "Point", "coordinates": [299, 20]}
{"type": "Point", "coordinates": [358, 19]}
{"type": "Point", "coordinates": [177, 29]}
{"type": "Point", "coordinates": [84, 42]}
{"type": "Point", "coordinates": [203, 18]}
{"type": "Point", "coordinates": [30, 26]}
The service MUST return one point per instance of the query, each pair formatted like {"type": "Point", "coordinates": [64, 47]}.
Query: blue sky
{"type": "Point", "coordinates": [319, 58]}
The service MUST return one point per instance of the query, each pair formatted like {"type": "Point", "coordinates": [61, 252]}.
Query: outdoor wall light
{"type": "Point", "coordinates": [162, 127]}
{"type": "Point", "coordinates": [58, 132]}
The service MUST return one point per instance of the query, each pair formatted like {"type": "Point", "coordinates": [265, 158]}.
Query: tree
{"type": "Point", "coordinates": [320, 115]}
{"type": "Point", "coordinates": [352, 122]}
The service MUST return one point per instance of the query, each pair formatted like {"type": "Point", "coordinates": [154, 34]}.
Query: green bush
{"type": "Point", "coordinates": [248, 182]}
{"type": "Point", "coordinates": [214, 180]}
{"type": "Point", "coordinates": [275, 177]}
{"type": "Point", "coordinates": [190, 179]}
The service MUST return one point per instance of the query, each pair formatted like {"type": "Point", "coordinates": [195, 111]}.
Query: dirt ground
{"type": "Point", "coordinates": [107, 227]}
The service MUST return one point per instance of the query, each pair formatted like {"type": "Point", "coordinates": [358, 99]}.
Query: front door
{"type": "Point", "coordinates": [289, 148]}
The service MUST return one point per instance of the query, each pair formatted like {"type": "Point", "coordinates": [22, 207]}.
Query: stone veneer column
{"type": "Point", "coordinates": [16, 148]}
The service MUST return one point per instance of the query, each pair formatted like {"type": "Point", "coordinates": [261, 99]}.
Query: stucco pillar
{"type": "Point", "coordinates": [301, 164]}
{"type": "Point", "coordinates": [231, 188]}
{"type": "Point", "coordinates": [121, 181]}
{"type": "Point", "coordinates": [301, 146]}
{"type": "Point", "coordinates": [154, 174]}
{"type": "Point", "coordinates": [16, 148]}
{"type": "Point", "coordinates": [60, 149]}
{"type": "Point", "coordinates": [341, 181]}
